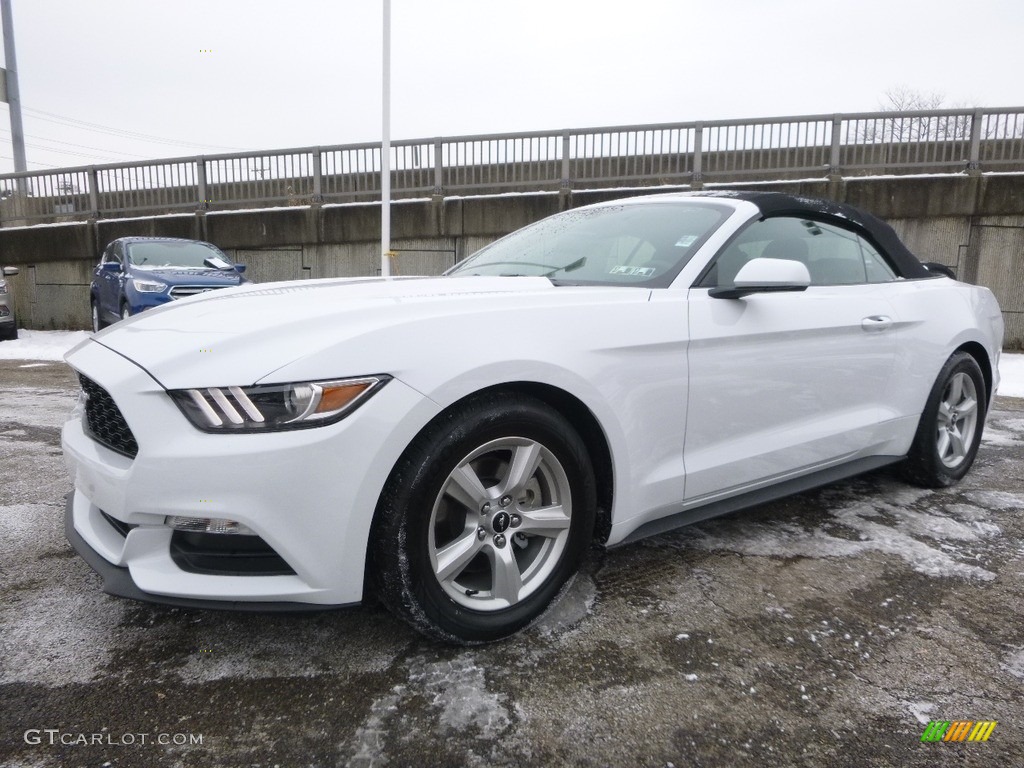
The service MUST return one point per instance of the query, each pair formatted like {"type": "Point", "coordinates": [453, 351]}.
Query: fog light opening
{"type": "Point", "coordinates": [208, 525]}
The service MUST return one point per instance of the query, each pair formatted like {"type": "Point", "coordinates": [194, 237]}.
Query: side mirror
{"type": "Point", "coordinates": [240, 268]}
{"type": "Point", "coordinates": [10, 271]}
{"type": "Point", "coordinates": [110, 266]}
{"type": "Point", "coordinates": [766, 276]}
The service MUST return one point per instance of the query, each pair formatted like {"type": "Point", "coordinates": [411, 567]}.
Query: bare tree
{"type": "Point", "coordinates": [901, 127]}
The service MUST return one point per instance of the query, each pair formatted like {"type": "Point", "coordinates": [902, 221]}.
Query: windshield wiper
{"type": "Point", "coordinates": [568, 267]}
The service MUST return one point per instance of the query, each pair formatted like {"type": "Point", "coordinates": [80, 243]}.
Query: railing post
{"type": "Point", "coordinates": [204, 201]}
{"type": "Point", "coordinates": [834, 171]}
{"type": "Point", "coordinates": [318, 196]}
{"type": "Point", "coordinates": [697, 178]}
{"type": "Point", "coordinates": [94, 193]}
{"type": "Point", "coordinates": [565, 183]}
{"type": "Point", "coordinates": [974, 160]}
{"type": "Point", "coordinates": [438, 192]}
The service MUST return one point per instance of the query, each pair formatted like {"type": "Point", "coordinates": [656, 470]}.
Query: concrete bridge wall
{"type": "Point", "coordinates": [974, 223]}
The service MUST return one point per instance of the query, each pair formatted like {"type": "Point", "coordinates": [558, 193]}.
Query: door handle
{"type": "Point", "coordinates": [876, 323]}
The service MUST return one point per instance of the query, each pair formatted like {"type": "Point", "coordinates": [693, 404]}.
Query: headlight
{"type": "Point", "coordinates": [148, 286]}
{"type": "Point", "coordinates": [270, 407]}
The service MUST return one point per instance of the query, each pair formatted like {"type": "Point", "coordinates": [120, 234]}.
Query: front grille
{"type": "Point", "coordinates": [104, 421]}
{"type": "Point", "coordinates": [181, 291]}
{"type": "Point", "coordinates": [226, 555]}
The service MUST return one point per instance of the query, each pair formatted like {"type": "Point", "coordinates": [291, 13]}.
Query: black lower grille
{"type": "Point", "coordinates": [104, 421]}
{"type": "Point", "coordinates": [226, 555]}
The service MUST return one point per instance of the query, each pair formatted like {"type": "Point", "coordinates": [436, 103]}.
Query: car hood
{"type": "Point", "coordinates": [362, 326]}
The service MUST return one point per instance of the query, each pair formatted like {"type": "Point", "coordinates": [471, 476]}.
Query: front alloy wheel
{"type": "Point", "coordinates": [484, 519]}
{"type": "Point", "coordinates": [500, 524]}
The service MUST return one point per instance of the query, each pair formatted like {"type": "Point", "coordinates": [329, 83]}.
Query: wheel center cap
{"type": "Point", "coordinates": [501, 522]}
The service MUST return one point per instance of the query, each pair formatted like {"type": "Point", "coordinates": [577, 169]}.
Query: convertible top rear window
{"type": "Point", "coordinates": [630, 245]}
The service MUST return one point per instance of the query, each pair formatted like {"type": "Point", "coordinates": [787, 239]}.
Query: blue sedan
{"type": "Point", "coordinates": [136, 273]}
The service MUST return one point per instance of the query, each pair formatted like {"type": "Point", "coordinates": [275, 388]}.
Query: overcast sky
{"type": "Point", "coordinates": [209, 76]}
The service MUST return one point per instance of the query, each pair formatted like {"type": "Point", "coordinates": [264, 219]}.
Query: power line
{"type": "Point", "coordinates": [30, 162]}
{"type": "Point", "coordinates": [70, 152]}
{"type": "Point", "coordinates": [81, 146]}
{"type": "Point", "coordinates": [99, 128]}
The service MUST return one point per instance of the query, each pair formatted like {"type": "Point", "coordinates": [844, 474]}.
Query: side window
{"type": "Point", "coordinates": [833, 256]}
{"type": "Point", "coordinates": [878, 269]}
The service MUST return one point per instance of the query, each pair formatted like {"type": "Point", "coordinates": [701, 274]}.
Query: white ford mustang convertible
{"type": "Point", "coordinates": [454, 444]}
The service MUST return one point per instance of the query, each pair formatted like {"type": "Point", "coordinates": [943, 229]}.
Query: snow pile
{"type": "Point", "coordinates": [1011, 374]}
{"type": "Point", "coordinates": [41, 345]}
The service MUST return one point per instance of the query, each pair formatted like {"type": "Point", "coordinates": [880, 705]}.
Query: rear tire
{"type": "Point", "coordinates": [484, 519]}
{"type": "Point", "coordinates": [949, 432]}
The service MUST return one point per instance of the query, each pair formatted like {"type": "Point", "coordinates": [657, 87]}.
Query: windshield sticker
{"type": "Point", "coordinates": [634, 271]}
{"type": "Point", "coordinates": [217, 262]}
{"type": "Point", "coordinates": [686, 241]}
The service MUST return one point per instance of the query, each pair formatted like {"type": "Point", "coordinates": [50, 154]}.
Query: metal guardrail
{"type": "Point", "coordinates": [813, 146]}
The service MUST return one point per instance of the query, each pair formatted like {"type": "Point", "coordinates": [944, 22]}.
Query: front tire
{"type": "Point", "coordinates": [484, 519]}
{"type": "Point", "coordinates": [949, 432]}
{"type": "Point", "coordinates": [97, 322]}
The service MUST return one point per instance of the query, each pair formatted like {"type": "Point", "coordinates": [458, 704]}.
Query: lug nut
{"type": "Point", "coordinates": [485, 509]}
{"type": "Point", "coordinates": [481, 533]}
{"type": "Point", "coordinates": [516, 521]}
{"type": "Point", "coordinates": [506, 500]}
{"type": "Point", "coordinates": [499, 541]}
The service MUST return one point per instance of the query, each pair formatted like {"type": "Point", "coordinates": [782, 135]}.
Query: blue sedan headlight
{"type": "Point", "coordinates": [271, 407]}
{"type": "Point", "coordinates": [148, 286]}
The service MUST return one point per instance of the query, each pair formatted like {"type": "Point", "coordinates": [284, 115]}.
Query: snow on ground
{"type": "Point", "coordinates": [40, 345]}
{"type": "Point", "coordinates": [51, 345]}
{"type": "Point", "coordinates": [1011, 372]}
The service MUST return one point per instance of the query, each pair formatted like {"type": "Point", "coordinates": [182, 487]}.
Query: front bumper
{"type": "Point", "coordinates": [309, 494]}
{"type": "Point", "coordinates": [118, 580]}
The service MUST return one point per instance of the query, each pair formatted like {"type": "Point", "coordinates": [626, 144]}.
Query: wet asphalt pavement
{"type": "Point", "coordinates": [824, 630]}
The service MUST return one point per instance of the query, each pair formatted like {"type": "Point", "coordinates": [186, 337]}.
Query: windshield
{"type": "Point", "coordinates": [194, 255]}
{"type": "Point", "coordinates": [636, 244]}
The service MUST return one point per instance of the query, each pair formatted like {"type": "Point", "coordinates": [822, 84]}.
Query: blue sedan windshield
{"type": "Point", "coordinates": [170, 254]}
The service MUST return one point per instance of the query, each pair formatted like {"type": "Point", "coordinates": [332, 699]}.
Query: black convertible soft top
{"type": "Point", "coordinates": [846, 216]}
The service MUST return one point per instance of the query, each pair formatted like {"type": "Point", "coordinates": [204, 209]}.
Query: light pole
{"type": "Point", "coordinates": [13, 95]}
{"type": "Point", "coordinates": [385, 150]}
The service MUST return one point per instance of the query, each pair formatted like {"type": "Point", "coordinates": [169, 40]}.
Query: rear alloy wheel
{"type": "Point", "coordinates": [950, 429]}
{"type": "Point", "coordinates": [484, 519]}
